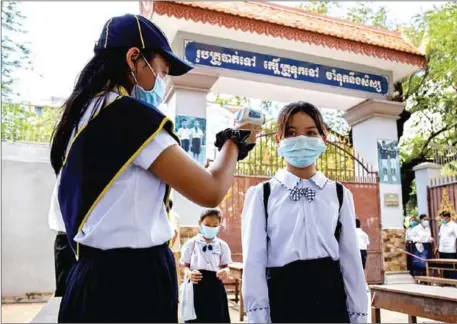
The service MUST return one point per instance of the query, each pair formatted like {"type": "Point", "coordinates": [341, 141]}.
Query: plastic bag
{"type": "Point", "coordinates": [186, 296]}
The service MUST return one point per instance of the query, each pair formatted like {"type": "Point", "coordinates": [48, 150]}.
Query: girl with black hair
{"type": "Point", "coordinates": [301, 257]}
{"type": "Point", "coordinates": [116, 158]}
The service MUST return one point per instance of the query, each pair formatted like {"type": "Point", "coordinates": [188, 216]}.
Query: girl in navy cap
{"type": "Point", "coordinates": [116, 158]}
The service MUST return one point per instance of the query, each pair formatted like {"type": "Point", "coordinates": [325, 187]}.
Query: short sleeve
{"type": "Point", "coordinates": [186, 252]}
{"type": "Point", "coordinates": [150, 153]}
{"type": "Point", "coordinates": [226, 257]}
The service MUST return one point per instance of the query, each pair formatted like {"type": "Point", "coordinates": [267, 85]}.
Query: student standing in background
{"type": "Point", "coordinates": [364, 241]}
{"type": "Point", "coordinates": [422, 239]}
{"type": "Point", "coordinates": [448, 241]}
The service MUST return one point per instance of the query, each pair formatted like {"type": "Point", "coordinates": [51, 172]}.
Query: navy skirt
{"type": "Point", "coordinates": [309, 291]}
{"type": "Point", "coordinates": [210, 300]}
{"type": "Point", "coordinates": [122, 286]}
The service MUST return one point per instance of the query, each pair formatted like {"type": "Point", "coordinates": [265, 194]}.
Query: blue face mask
{"type": "Point", "coordinates": [154, 96]}
{"type": "Point", "coordinates": [413, 223]}
{"type": "Point", "coordinates": [443, 221]}
{"type": "Point", "coordinates": [301, 151]}
{"type": "Point", "coordinates": [209, 232]}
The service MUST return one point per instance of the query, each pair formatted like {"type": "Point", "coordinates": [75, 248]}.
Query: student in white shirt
{"type": "Point", "coordinates": [409, 243]}
{"type": "Point", "coordinates": [197, 140]}
{"type": "Point", "coordinates": [205, 259]}
{"type": "Point", "coordinates": [422, 239]}
{"type": "Point", "coordinates": [116, 158]}
{"type": "Point", "coordinates": [364, 241]}
{"type": "Point", "coordinates": [300, 252]}
{"type": "Point", "coordinates": [448, 241]}
{"type": "Point", "coordinates": [184, 134]}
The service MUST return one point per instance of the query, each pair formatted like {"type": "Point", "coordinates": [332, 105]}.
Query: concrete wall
{"type": "Point", "coordinates": [27, 242]}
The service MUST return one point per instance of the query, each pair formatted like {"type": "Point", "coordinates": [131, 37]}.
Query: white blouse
{"type": "Point", "coordinates": [131, 213]}
{"type": "Point", "coordinates": [448, 237]}
{"type": "Point", "coordinates": [307, 234]}
{"type": "Point", "coordinates": [196, 253]}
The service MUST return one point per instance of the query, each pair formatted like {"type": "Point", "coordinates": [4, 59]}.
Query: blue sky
{"type": "Point", "coordinates": [62, 35]}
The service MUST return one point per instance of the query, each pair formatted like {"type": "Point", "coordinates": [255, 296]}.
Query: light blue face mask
{"type": "Point", "coordinates": [209, 232]}
{"type": "Point", "coordinates": [443, 221]}
{"type": "Point", "coordinates": [414, 223]}
{"type": "Point", "coordinates": [154, 96]}
{"type": "Point", "coordinates": [301, 151]}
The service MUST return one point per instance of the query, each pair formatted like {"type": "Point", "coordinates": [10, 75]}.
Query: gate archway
{"type": "Point", "coordinates": [339, 163]}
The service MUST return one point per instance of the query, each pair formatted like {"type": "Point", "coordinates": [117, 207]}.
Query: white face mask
{"type": "Point", "coordinates": [425, 223]}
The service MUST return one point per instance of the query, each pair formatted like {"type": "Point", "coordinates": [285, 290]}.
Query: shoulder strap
{"type": "Point", "coordinates": [339, 194]}
{"type": "Point", "coordinates": [266, 197]}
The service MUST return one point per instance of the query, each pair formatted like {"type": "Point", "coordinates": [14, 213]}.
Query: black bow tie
{"type": "Point", "coordinates": [297, 193]}
{"type": "Point", "coordinates": [209, 247]}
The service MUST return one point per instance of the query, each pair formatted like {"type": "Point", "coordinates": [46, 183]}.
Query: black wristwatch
{"type": "Point", "coordinates": [239, 137]}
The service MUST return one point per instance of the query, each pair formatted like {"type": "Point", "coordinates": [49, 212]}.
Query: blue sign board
{"type": "Point", "coordinates": [238, 60]}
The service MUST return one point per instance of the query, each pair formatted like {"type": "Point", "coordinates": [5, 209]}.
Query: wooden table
{"type": "Point", "coordinates": [436, 303]}
{"type": "Point", "coordinates": [449, 265]}
{"type": "Point", "coordinates": [236, 272]}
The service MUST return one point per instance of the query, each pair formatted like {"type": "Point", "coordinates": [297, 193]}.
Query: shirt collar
{"type": "Point", "coordinates": [290, 180]}
{"type": "Point", "coordinates": [200, 239]}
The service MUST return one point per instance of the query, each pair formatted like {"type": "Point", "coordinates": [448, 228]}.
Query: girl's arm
{"type": "Point", "coordinates": [254, 241]}
{"type": "Point", "coordinates": [226, 259]}
{"type": "Point", "coordinates": [205, 187]}
{"type": "Point", "coordinates": [351, 263]}
{"type": "Point", "coordinates": [185, 261]}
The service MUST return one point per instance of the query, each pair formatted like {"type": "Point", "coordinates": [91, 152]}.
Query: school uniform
{"type": "Point", "coordinates": [210, 297]}
{"type": "Point", "coordinates": [409, 248]}
{"type": "Point", "coordinates": [448, 245]}
{"type": "Point", "coordinates": [364, 241]}
{"type": "Point", "coordinates": [115, 217]}
{"type": "Point", "coordinates": [421, 237]}
{"type": "Point", "coordinates": [197, 135]}
{"type": "Point", "coordinates": [184, 135]}
{"type": "Point", "coordinates": [64, 258]}
{"type": "Point", "coordinates": [295, 268]}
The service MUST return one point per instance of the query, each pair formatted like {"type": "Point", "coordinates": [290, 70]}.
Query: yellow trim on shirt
{"type": "Point", "coordinates": [110, 184]}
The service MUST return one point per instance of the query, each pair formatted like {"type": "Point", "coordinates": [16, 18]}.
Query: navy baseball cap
{"type": "Point", "coordinates": [136, 31]}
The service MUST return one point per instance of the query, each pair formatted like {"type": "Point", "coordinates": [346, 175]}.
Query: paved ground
{"type": "Point", "coordinates": [24, 313]}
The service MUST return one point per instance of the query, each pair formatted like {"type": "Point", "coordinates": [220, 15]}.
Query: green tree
{"type": "Point", "coordinates": [15, 54]}
{"type": "Point", "coordinates": [319, 7]}
{"type": "Point", "coordinates": [365, 13]}
{"type": "Point", "coordinates": [430, 116]}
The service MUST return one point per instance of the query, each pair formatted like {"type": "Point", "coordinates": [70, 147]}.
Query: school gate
{"type": "Point", "coordinates": [339, 163]}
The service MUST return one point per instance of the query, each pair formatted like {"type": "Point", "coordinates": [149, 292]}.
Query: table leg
{"type": "Point", "coordinates": [241, 302]}
{"type": "Point", "coordinates": [412, 319]}
{"type": "Point", "coordinates": [237, 290]}
{"type": "Point", "coordinates": [375, 315]}
{"type": "Point", "coordinates": [427, 269]}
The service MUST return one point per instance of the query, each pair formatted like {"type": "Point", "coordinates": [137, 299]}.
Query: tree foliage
{"type": "Point", "coordinates": [364, 13]}
{"type": "Point", "coordinates": [319, 7]}
{"type": "Point", "coordinates": [15, 54]}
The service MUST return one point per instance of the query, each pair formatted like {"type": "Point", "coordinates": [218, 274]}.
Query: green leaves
{"type": "Point", "coordinates": [15, 55]}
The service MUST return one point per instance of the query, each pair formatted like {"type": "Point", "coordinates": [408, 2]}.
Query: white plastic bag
{"type": "Point", "coordinates": [186, 296]}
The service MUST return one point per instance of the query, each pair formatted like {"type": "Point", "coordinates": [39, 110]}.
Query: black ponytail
{"type": "Point", "coordinates": [107, 69]}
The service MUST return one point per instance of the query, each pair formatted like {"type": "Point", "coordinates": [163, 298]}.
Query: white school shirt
{"type": "Point", "coordinates": [196, 133]}
{"type": "Point", "coordinates": [299, 230]}
{"type": "Point", "coordinates": [184, 133]}
{"type": "Point", "coordinates": [419, 234]}
{"type": "Point", "coordinates": [174, 222]}
{"type": "Point", "coordinates": [131, 213]}
{"type": "Point", "coordinates": [192, 254]}
{"type": "Point", "coordinates": [363, 239]}
{"type": "Point", "coordinates": [448, 237]}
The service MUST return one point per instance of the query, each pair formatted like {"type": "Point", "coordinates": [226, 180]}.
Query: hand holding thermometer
{"type": "Point", "coordinates": [248, 115]}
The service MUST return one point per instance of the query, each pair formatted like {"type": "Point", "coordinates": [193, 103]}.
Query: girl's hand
{"type": "Point", "coordinates": [223, 274]}
{"type": "Point", "coordinates": [195, 276]}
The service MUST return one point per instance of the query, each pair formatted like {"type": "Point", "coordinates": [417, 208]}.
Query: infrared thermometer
{"type": "Point", "coordinates": [248, 115]}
